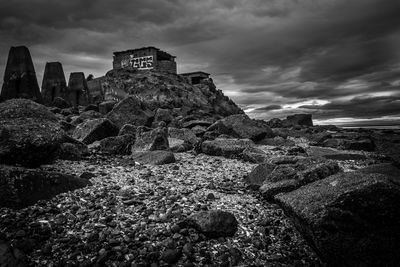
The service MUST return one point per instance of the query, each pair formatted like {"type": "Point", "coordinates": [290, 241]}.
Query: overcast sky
{"type": "Point", "coordinates": [338, 59]}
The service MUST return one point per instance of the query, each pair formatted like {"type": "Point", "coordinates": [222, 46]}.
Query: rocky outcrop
{"type": "Point", "coordinates": [78, 91]}
{"type": "Point", "coordinates": [53, 84]}
{"type": "Point", "coordinates": [21, 187]}
{"type": "Point", "coordinates": [241, 126]}
{"type": "Point", "coordinates": [95, 130]}
{"type": "Point", "coordinates": [351, 219]}
{"type": "Point", "coordinates": [19, 79]}
{"type": "Point", "coordinates": [299, 119]}
{"type": "Point", "coordinates": [131, 110]}
{"type": "Point", "coordinates": [30, 133]}
{"type": "Point", "coordinates": [169, 91]}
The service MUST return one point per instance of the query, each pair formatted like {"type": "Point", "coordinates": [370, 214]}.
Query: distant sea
{"type": "Point", "coordinates": [377, 127]}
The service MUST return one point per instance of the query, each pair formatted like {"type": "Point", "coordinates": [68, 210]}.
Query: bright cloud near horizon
{"type": "Point", "coordinates": [334, 59]}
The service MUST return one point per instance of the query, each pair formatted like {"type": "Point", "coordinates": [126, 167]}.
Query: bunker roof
{"type": "Point", "coordinates": [143, 48]}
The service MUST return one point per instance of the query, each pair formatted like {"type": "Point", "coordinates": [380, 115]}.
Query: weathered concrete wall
{"type": "Point", "coordinates": [145, 59]}
{"type": "Point", "coordinates": [166, 65]}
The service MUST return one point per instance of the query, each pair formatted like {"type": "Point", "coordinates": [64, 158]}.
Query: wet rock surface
{"type": "Point", "coordinates": [351, 219]}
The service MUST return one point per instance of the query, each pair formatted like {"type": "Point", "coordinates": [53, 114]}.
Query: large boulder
{"type": "Point", "coordinates": [73, 151]}
{"type": "Point", "coordinates": [229, 148]}
{"type": "Point", "coordinates": [106, 106]}
{"type": "Point", "coordinates": [151, 139]}
{"type": "Point", "coordinates": [285, 175]}
{"type": "Point", "coordinates": [183, 134]}
{"type": "Point", "coordinates": [164, 115]}
{"type": "Point", "coordinates": [131, 110]}
{"type": "Point", "coordinates": [155, 157]}
{"type": "Point", "coordinates": [19, 79]}
{"type": "Point", "coordinates": [22, 187]}
{"type": "Point", "coordinates": [121, 144]}
{"type": "Point", "coordinates": [241, 126]}
{"type": "Point", "coordinates": [30, 134]}
{"type": "Point", "coordinates": [214, 223]}
{"type": "Point", "coordinates": [351, 219]}
{"type": "Point", "coordinates": [53, 84]}
{"type": "Point", "coordinates": [95, 130]}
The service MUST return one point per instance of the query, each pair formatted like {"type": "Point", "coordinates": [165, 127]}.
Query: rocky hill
{"type": "Point", "coordinates": [169, 91]}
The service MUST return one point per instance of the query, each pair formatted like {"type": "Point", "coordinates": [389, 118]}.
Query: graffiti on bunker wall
{"type": "Point", "coordinates": [145, 62]}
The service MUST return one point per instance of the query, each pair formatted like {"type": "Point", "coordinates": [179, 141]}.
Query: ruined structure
{"type": "Point", "coordinates": [195, 77]}
{"type": "Point", "coordinates": [144, 59]}
{"type": "Point", "coordinates": [20, 77]}
{"type": "Point", "coordinates": [78, 91]}
{"type": "Point", "coordinates": [54, 84]}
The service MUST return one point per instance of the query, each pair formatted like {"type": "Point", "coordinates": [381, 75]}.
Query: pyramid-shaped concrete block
{"type": "Point", "coordinates": [20, 77]}
{"type": "Point", "coordinates": [54, 84]}
{"type": "Point", "coordinates": [78, 92]}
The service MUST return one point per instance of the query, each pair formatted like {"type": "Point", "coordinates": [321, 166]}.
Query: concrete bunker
{"type": "Point", "coordinates": [145, 58]}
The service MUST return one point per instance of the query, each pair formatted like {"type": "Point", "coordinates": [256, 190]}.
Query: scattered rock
{"type": "Point", "coordinates": [94, 130]}
{"type": "Point", "coordinates": [214, 223]}
{"type": "Point", "coordinates": [155, 157]}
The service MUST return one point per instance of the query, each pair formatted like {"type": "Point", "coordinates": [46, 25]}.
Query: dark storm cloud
{"type": "Point", "coordinates": [260, 52]}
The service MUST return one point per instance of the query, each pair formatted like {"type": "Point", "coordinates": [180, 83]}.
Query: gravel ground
{"type": "Point", "coordinates": [130, 217]}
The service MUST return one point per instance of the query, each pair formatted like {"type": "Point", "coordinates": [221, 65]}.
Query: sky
{"type": "Point", "coordinates": [336, 59]}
